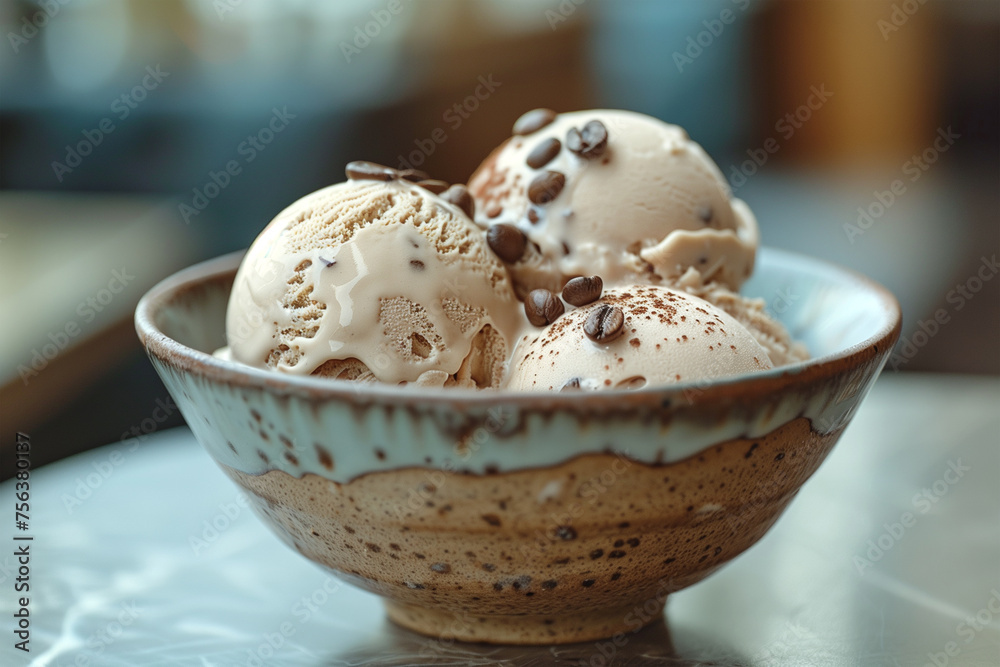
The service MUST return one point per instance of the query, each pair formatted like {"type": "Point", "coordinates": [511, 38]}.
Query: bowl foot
{"type": "Point", "coordinates": [523, 629]}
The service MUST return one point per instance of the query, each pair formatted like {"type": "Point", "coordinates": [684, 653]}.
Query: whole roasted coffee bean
{"type": "Point", "coordinates": [459, 195]}
{"type": "Point", "coordinates": [604, 324]}
{"type": "Point", "coordinates": [583, 290]}
{"type": "Point", "coordinates": [545, 187]}
{"type": "Point", "coordinates": [361, 170]}
{"type": "Point", "coordinates": [544, 153]}
{"type": "Point", "coordinates": [589, 142]}
{"type": "Point", "coordinates": [533, 121]}
{"type": "Point", "coordinates": [543, 307]}
{"type": "Point", "coordinates": [507, 241]}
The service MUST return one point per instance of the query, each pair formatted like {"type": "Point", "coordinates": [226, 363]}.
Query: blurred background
{"type": "Point", "coordinates": [860, 131]}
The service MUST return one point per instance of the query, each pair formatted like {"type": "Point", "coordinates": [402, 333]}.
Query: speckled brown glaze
{"type": "Point", "coordinates": [558, 554]}
{"type": "Point", "coordinates": [517, 517]}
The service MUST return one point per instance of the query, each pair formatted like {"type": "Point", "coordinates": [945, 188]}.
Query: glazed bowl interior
{"type": "Point", "coordinates": [832, 310]}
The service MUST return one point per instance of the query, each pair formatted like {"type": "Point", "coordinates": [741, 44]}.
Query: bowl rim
{"type": "Point", "coordinates": [189, 360]}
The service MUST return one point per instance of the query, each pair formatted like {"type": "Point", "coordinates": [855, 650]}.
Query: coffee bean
{"type": "Point", "coordinates": [545, 187]}
{"type": "Point", "coordinates": [413, 175]}
{"type": "Point", "coordinates": [543, 307]}
{"type": "Point", "coordinates": [583, 290]}
{"type": "Point", "coordinates": [589, 142]}
{"type": "Point", "coordinates": [507, 241]}
{"type": "Point", "coordinates": [604, 324]}
{"type": "Point", "coordinates": [459, 195]}
{"type": "Point", "coordinates": [433, 185]}
{"type": "Point", "coordinates": [544, 153]}
{"type": "Point", "coordinates": [533, 121]}
{"type": "Point", "coordinates": [360, 170]}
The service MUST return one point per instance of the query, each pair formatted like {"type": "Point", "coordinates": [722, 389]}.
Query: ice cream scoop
{"type": "Point", "coordinates": [754, 315]}
{"type": "Point", "coordinates": [615, 193]}
{"type": "Point", "coordinates": [632, 337]}
{"type": "Point", "coordinates": [376, 278]}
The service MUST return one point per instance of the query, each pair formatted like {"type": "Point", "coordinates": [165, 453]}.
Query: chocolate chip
{"type": "Point", "coordinates": [704, 213]}
{"type": "Point", "coordinates": [604, 324]}
{"type": "Point", "coordinates": [589, 142]}
{"type": "Point", "coordinates": [533, 215]}
{"type": "Point", "coordinates": [543, 307]}
{"type": "Point", "coordinates": [544, 153]}
{"type": "Point", "coordinates": [434, 185]}
{"type": "Point", "coordinates": [583, 290]}
{"type": "Point", "coordinates": [459, 195]}
{"type": "Point", "coordinates": [360, 170]}
{"type": "Point", "coordinates": [507, 241]}
{"type": "Point", "coordinates": [545, 187]}
{"type": "Point", "coordinates": [533, 121]}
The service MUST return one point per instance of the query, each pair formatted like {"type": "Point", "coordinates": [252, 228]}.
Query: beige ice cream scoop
{"type": "Point", "coordinates": [614, 193]}
{"type": "Point", "coordinates": [374, 280]}
{"type": "Point", "coordinates": [632, 337]}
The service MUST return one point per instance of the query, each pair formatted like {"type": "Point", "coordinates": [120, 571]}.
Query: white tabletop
{"type": "Point", "coordinates": [127, 568]}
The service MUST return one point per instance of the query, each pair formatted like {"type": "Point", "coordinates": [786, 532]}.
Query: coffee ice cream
{"type": "Point", "coordinates": [580, 228]}
{"type": "Point", "coordinates": [613, 193]}
{"type": "Point", "coordinates": [633, 337]}
{"type": "Point", "coordinates": [379, 279]}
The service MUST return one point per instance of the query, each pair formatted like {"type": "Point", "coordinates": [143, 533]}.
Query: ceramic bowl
{"type": "Point", "coordinates": [525, 518]}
